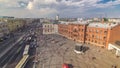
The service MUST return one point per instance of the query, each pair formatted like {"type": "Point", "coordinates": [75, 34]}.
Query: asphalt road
{"type": "Point", "coordinates": [8, 53]}
{"type": "Point", "coordinates": [11, 49]}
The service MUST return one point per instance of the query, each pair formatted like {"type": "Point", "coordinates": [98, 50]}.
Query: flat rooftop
{"type": "Point", "coordinates": [102, 25]}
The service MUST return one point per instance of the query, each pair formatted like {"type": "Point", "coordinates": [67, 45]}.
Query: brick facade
{"type": "Point", "coordinates": [90, 35]}
{"type": "Point", "coordinates": [96, 36]}
{"type": "Point", "coordinates": [75, 32]}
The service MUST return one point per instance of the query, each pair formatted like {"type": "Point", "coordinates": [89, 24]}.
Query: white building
{"type": "Point", "coordinates": [50, 28]}
{"type": "Point", "coordinates": [117, 20]}
{"type": "Point", "coordinates": [114, 46]}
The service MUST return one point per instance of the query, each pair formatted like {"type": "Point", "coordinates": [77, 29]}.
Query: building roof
{"type": "Point", "coordinates": [115, 44]}
{"type": "Point", "coordinates": [75, 22]}
{"type": "Point", "coordinates": [103, 25]}
{"type": "Point", "coordinates": [80, 22]}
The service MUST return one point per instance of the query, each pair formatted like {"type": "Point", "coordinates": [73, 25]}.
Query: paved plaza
{"type": "Point", "coordinates": [54, 50]}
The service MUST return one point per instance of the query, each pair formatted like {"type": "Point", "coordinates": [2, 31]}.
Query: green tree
{"type": "Point", "coordinates": [105, 19]}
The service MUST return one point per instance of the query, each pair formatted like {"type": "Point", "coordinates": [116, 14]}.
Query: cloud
{"type": "Point", "coordinates": [67, 8]}
{"type": "Point", "coordinates": [30, 5]}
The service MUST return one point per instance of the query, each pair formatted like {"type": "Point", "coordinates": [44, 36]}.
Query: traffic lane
{"type": "Point", "coordinates": [13, 61]}
{"type": "Point", "coordinates": [5, 51]}
{"type": "Point", "coordinates": [9, 41]}
{"type": "Point", "coordinates": [7, 44]}
{"type": "Point", "coordinates": [5, 59]}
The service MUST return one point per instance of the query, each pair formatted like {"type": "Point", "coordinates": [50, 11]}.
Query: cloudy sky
{"type": "Point", "coordinates": [65, 8]}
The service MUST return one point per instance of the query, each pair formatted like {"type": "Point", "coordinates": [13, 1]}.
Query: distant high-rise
{"type": "Point", "coordinates": [57, 17]}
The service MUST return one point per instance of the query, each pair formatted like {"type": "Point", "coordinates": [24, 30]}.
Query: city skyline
{"type": "Point", "coordinates": [65, 8]}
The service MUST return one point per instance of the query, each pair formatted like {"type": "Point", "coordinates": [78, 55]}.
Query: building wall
{"type": "Point", "coordinates": [64, 30]}
{"type": "Point", "coordinates": [50, 28]}
{"type": "Point", "coordinates": [90, 35]}
{"type": "Point", "coordinates": [75, 32]}
{"type": "Point", "coordinates": [55, 28]}
{"type": "Point", "coordinates": [114, 34]}
{"type": "Point", "coordinates": [96, 36]}
{"type": "Point", "coordinates": [78, 32]}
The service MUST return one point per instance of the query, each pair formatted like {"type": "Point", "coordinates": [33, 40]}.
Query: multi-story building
{"type": "Point", "coordinates": [77, 32]}
{"type": "Point", "coordinates": [63, 30]}
{"type": "Point", "coordinates": [73, 30]}
{"type": "Point", "coordinates": [99, 34]}
{"type": "Point", "coordinates": [49, 28]}
{"type": "Point", "coordinates": [15, 24]}
{"type": "Point", "coordinates": [114, 20]}
{"type": "Point", "coordinates": [3, 29]}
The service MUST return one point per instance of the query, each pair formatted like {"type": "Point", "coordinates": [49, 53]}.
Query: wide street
{"type": "Point", "coordinates": [11, 49]}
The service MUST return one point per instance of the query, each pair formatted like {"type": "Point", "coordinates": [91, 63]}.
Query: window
{"type": "Point", "coordinates": [92, 36]}
{"type": "Point", "coordinates": [79, 29]}
{"type": "Point", "coordinates": [92, 40]}
{"type": "Point", "coordinates": [48, 30]}
{"type": "Point", "coordinates": [75, 30]}
{"type": "Point", "coordinates": [86, 34]}
{"type": "Point", "coordinates": [97, 31]}
{"type": "Point", "coordinates": [105, 32]}
{"type": "Point", "coordinates": [100, 31]}
{"type": "Point", "coordinates": [95, 41]}
{"type": "Point", "coordinates": [103, 43]}
{"type": "Point", "coordinates": [104, 37]}
{"type": "Point", "coordinates": [88, 39]}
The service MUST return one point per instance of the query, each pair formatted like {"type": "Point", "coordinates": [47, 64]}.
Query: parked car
{"type": "Point", "coordinates": [67, 65]}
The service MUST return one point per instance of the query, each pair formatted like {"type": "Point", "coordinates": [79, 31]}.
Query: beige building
{"type": "Point", "coordinates": [50, 28]}
{"type": "Point", "coordinates": [117, 20]}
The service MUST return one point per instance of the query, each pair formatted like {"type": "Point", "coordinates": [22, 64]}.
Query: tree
{"type": "Point", "coordinates": [105, 19]}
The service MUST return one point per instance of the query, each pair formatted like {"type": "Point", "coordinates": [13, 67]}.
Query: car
{"type": "Point", "coordinates": [67, 65]}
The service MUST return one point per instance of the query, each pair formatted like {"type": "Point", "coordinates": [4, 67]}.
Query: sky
{"type": "Point", "coordinates": [65, 8]}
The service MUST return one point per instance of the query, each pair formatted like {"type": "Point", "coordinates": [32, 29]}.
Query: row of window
{"type": "Point", "coordinates": [97, 31]}
{"type": "Point", "coordinates": [95, 41]}
{"type": "Point", "coordinates": [90, 30]}
{"type": "Point", "coordinates": [48, 30]}
{"type": "Point", "coordinates": [77, 30]}
{"type": "Point", "coordinates": [48, 26]}
{"type": "Point", "coordinates": [97, 37]}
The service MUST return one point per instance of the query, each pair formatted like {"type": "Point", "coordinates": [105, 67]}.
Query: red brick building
{"type": "Point", "coordinates": [77, 32]}
{"type": "Point", "coordinates": [99, 34]}
{"type": "Point", "coordinates": [74, 31]}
